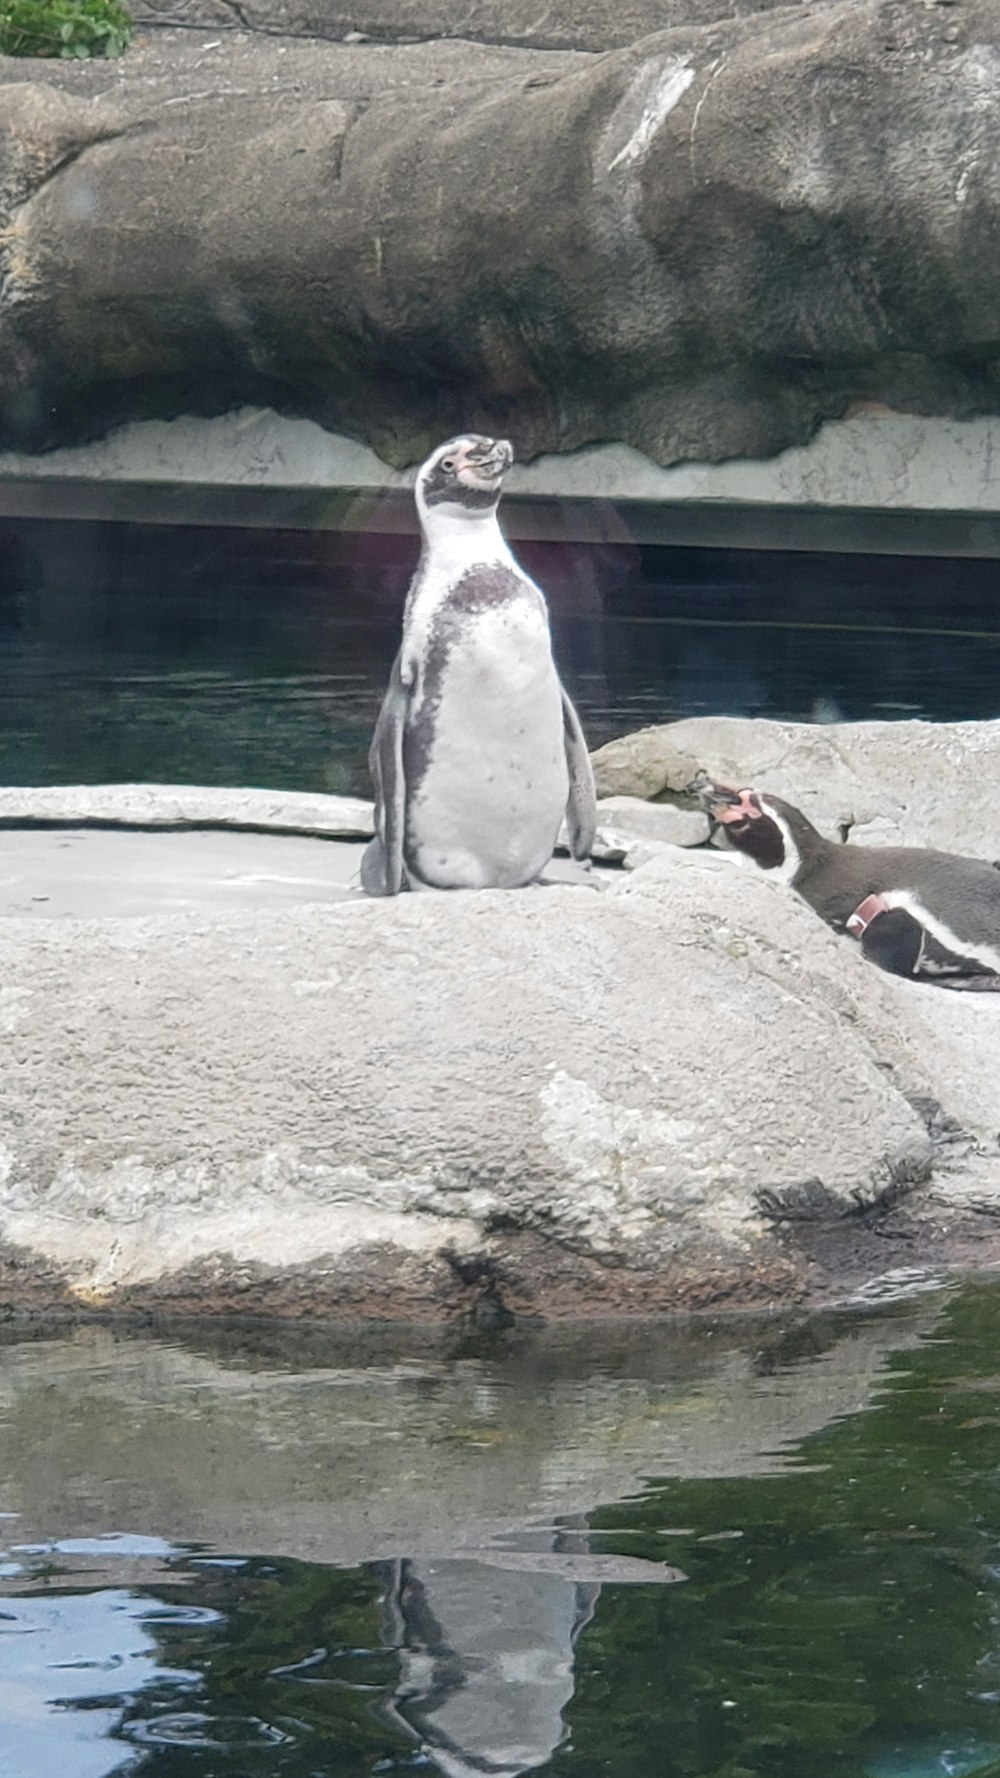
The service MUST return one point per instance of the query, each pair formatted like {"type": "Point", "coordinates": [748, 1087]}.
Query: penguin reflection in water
{"type": "Point", "coordinates": [933, 916]}
{"type": "Point", "coordinates": [478, 753]}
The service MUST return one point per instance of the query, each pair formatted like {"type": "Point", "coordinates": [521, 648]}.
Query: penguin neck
{"type": "Point", "coordinates": [451, 536]}
{"type": "Point", "coordinates": [454, 542]}
{"type": "Point", "coordinates": [805, 848]}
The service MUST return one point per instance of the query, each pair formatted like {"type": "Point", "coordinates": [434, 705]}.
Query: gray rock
{"type": "Point", "coordinates": [367, 1108]}
{"type": "Point", "coordinates": [630, 831]}
{"type": "Point", "coordinates": [293, 224]}
{"type": "Point", "coordinates": [643, 764]}
{"type": "Point", "coordinates": [185, 806]}
{"type": "Point", "coordinates": [941, 1038]}
{"type": "Point", "coordinates": [883, 783]}
{"type": "Point", "coordinates": [84, 873]}
{"type": "Point", "coordinates": [626, 823]}
{"type": "Point", "coordinates": [665, 861]}
{"type": "Point", "coordinates": [936, 1045]}
{"type": "Point", "coordinates": [587, 24]}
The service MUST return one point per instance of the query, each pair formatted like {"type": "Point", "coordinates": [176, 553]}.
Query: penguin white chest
{"type": "Point", "coordinates": [484, 749]}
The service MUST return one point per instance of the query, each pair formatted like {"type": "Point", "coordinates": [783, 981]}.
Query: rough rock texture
{"type": "Point", "coordinates": [584, 24]}
{"type": "Point", "coordinates": [643, 764]}
{"type": "Point", "coordinates": [626, 824]}
{"type": "Point", "coordinates": [936, 1045]}
{"type": "Point", "coordinates": [702, 243]}
{"type": "Point", "coordinates": [630, 829]}
{"type": "Point", "coordinates": [881, 783]}
{"type": "Point", "coordinates": [548, 1102]}
{"type": "Point", "coordinates": [369, 1080]}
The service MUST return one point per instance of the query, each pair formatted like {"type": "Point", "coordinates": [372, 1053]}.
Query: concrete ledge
{"type": "Point", "coordinates": [186, 806]}
{"type": "Point", "coordinates": [129, 851]}
{"type": "Point", "coordinates": [874, 480]}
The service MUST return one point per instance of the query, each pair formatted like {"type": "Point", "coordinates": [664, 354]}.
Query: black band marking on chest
{"type": "Point", "coordinates": [479, 590]}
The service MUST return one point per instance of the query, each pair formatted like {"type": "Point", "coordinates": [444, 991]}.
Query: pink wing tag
{"type": "Point", "coordinates": [863, 915]}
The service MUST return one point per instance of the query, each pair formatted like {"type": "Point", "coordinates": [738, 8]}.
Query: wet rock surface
{"type": "Point", "coordinates": [696, 243]}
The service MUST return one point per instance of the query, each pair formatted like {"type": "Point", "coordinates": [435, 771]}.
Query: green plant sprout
{"type": "Point", "coordinates": [74, 28]}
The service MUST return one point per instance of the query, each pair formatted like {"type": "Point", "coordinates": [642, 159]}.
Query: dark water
{"type": "Point", "coordinates": [767, 1549]}
{"type": "Point", "coordinates": [238, 657]}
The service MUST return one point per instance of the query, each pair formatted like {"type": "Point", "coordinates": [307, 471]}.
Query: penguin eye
{"type": "Point", "coordinates": [447, 464]}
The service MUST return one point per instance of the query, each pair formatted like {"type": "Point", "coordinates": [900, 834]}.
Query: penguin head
{"type": "Point", "coordinates": [760, 827]}
{"type": "Point", "coordinates": [462, 478]}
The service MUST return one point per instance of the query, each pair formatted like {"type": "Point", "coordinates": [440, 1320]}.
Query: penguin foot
{"type": "Point", "coordinates": [373, 869]}
{"type": "Point", "coordinates": [562, 871]}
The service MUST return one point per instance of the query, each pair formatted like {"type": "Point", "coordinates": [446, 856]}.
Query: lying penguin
{"type": "Point", "coordinates": [934, 916]}
{"type": "Point", "coordinates": [478, 753]}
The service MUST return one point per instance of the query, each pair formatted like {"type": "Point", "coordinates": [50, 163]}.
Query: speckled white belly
{"type": "Point", "coordinates": [487, 808]}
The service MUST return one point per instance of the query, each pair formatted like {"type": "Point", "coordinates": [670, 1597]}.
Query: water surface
{"type": "Point", "coordinates": [174, 654]}
{"type": "Point", "coordinates": [737, 1548]}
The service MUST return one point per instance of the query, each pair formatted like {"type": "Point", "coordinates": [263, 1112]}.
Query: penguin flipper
{"type": "Point", "coordinates": [893, 939]}
{"type": "Point", "coordinates": [898, 942]}
{"type": "Point", "coordinates": [382, 871]}
{"type": "Point", "coordinates": [581, 807]}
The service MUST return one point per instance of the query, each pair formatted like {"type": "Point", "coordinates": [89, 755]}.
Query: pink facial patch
{"type": "Point", "coordinates": [743, 810]}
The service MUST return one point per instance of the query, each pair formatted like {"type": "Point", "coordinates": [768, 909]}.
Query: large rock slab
{"type": "Point", "coordinates": [882, 783]}
{"type": "Point", "coordinates": [626, 825]}
{"type": "Point", "coordinates": [555, 1100]}
{"type": "Point", "coordinates": [697, 244]}
{"type": "Point", "coordinates": [937, 1047]}
{"type": "Point", "coordinates": [585, 24]}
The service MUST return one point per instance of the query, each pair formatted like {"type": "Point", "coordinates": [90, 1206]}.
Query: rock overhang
{"type": "Point", "coordinates": [705, 278]}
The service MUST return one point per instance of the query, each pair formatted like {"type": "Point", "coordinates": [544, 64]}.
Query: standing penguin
{"type": "Point", "coordinates": [478, 753]}
{"type": "Point", "coordinates": [933, 916]}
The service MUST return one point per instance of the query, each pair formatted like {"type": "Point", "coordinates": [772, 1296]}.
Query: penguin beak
{"type": "Point", "coordinates": [491, 459]}
{"type": "Point", "coordinates": [727, 806]}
